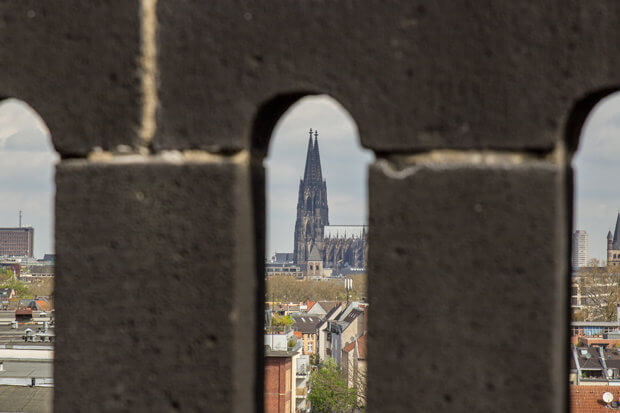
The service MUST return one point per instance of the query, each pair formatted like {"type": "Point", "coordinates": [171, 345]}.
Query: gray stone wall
{"type": "Point", "coordinates": [162, 111]}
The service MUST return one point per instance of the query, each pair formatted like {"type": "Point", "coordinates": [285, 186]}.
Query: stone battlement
{"type": "Point", "coordinates": [162, 112]}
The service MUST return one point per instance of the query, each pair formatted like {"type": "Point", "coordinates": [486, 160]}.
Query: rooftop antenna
{"type": "Point", "coordinates": [20, 218]}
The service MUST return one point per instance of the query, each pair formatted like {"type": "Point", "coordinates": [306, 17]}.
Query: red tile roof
{"type": "Point", "coordinates": [361, 347]}
{"type": "Point", "coordinates": [589, 399]}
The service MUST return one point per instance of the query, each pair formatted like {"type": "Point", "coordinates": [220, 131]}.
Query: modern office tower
{"type": "Point", "coordinates": [580, 249]}
{"type": "Point", "coordinates": [17, 242]}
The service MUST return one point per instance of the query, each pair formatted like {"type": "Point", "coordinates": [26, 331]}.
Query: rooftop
{"type": "Point", "coordinates": [26, 399]}
{"type": "Point", "coordinates": [361, 346]}
{"type": "Point", "coordinates": [306, 323]}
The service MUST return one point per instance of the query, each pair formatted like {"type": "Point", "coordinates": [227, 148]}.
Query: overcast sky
{"type": "Point", "coordinates": [26, 173]}
{"type": "Point", "coordinates": [597, 181]}
{"type": "Point", "coordinates": [27, 159]}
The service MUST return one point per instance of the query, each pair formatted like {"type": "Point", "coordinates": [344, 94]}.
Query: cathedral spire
{"type": "Point", "coordinates": [316, 160]}
{"type": "Point", "coordinates": [312, 172]}
{"type": "Point", "coordinates": [307, 171]}
{"type": "Point", "coordinates": [312, 210]}
{"type": "Point", "coordinates": [616, 242]}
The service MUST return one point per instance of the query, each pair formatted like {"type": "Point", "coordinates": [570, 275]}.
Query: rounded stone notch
{"type": "Point", "coordinates": [77, 66]}
{"type": "Point", "coordinates": [579, 113]}
{"type": "Point", "coordinates": [267, 117]}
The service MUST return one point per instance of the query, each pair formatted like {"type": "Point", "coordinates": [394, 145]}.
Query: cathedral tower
{"type": "Point", "coordinates": [613, 245]}
{"type": "Point", "coordinates": [312, 212]}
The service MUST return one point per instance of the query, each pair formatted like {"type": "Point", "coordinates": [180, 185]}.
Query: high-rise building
{"type": "Point", "coordinates": [17, 242]}
{"type": "Point", "coordinates": [580, 249]}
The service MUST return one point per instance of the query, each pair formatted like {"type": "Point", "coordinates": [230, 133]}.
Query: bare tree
{"type": "Point", "coordinates": [599, 288]}
{"type": "Point", "coordinates": [283, 288]}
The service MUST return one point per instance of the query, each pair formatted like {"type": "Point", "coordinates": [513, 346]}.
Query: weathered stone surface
{"type": "Point", "coordinates": [468, 284]}
{"type": "Point", "coordinates": [76, 64]}
{"type": "Point", "coordinates": [469, 261]}
{"type": "Point", "coordinates": [444, 74]}
{"type": "Point", "coordinates": [155, 287]}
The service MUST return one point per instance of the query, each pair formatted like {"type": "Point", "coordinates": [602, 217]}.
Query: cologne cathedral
{"type": "Point", "coordinates": [339, 246]}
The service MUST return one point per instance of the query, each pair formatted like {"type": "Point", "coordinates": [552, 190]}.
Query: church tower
{"type": "Point", "coordinates": [312, 212]}
{"type": "Point", "coordinates": [613, 245]}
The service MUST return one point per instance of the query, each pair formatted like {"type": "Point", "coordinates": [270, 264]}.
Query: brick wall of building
{"type": "Point", "coordinates": [278, 388]}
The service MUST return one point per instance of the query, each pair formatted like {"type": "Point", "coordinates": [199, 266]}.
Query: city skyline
{"type": "Point", "coordinates": [26, 173]}
{"type": "Point", "coordinates": [24, 140]}
{"type": "Point", "coordinates": [597, 197]}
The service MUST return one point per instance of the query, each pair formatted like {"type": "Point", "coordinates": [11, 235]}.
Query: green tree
{"type": "Point", "coordinates": [8, 280]}
{"type": "Point", "coordinates": [282, 321]}
{"type": "Point", "coordinates": [329, 392]}
{"type": "Point", "coordinates": [315, 360]}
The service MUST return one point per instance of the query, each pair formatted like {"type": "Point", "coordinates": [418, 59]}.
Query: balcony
{"type": "Point", "coordinates": [303, 370]}
{"type": "Point", "coordinates": [277, 329]}
{"type": "Point", "coordinates": [301, 392]}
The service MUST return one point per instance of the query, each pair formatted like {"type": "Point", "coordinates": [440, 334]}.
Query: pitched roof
{"type": "Point", "coordinates": [329, 306]}
{"type": "Point", "coordinates": [361, 347]}
{"type": "Point", "coordinates": [314, 254]}
{"type": "Point", "coordinates": [306, 324]}
{"type": "Point", "coordinates": [331, 312]}
{"type": "Point", "coordinates": [353, 315]}
{"type": "Point", "coordinates": [589, 399]}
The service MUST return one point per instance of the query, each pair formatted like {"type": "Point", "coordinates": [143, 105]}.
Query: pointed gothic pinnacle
{"type": "Point", "coordinates": [310, 133]}
{"type": "Point", "coordinates": [316, 134]}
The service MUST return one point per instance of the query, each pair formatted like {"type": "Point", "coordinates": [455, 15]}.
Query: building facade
{"type": "Point", "coordinates": [580, 249]}
{"type": "Point", "coordinates": [345, 245]}
{"type": "Point", "coordinates": [338, 246]}
{"type": "Point", "coordinates": [17, 242]}
{"type": "Point", "coordinates": [278, 382]}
